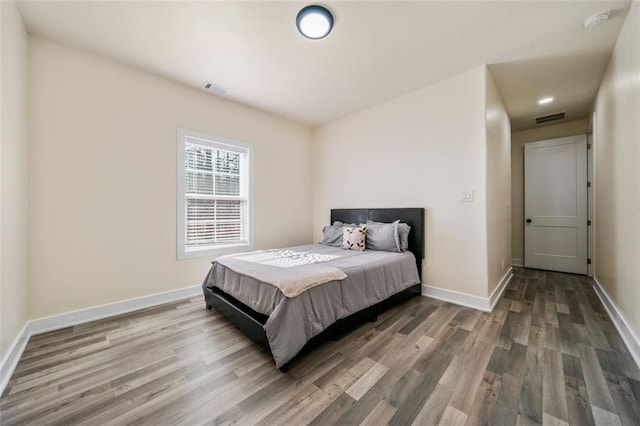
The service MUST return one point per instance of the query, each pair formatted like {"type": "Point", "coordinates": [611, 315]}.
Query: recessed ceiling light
{"type": "Point", "coordinates": [594, 20]}
{"type": "Point", "coordinates": [314, 22]}
{"type": "Point", "coordinates": [546, 100]}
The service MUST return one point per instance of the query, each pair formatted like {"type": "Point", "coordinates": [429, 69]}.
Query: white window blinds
{"type": "Point", "coordinates": [216, 201]}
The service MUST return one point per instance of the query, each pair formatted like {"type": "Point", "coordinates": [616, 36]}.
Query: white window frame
{"type": "Point", "coordinates": [215, 142]}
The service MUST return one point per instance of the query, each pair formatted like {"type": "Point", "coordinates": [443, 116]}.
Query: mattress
{"type": "Point", "coordinates": [372, 276]}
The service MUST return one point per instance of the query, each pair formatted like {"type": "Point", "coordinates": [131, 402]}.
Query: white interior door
{"type": "Point", "coordinates": [555, 206]}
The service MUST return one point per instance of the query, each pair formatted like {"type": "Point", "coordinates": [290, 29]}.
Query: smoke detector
{"type": "Point", "coordinates": [215, 88]}
{"type": "Point", "coordinates": [595, 20]}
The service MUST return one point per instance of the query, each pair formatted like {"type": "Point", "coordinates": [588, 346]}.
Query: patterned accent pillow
{"type": "Point", "coordinates": [354, 238]}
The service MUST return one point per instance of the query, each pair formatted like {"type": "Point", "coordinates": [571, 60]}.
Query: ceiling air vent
{"type": "Point", "coordinates": [215, 88]}
{"type": "Point", "coordinates": [551, 117]}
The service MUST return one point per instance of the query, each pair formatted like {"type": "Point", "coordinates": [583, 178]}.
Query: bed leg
{"type": "Point", "coordinates": [374, 319]}
{"type": "Point", "coordinates": [209, 307]}
{"type": "Point", "coordinates": [284, 369]}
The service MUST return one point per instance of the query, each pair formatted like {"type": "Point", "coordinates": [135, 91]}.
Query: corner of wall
{"type": "Point", "coordinates": [435, 137]}
{"type": "Point", "coordinates": [498, 186]}
{"type": "Point", "coordinates": [140, 241]}
{"type": "Point", "coordinates": [13, 181]}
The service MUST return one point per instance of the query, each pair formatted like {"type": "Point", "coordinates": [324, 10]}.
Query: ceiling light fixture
{"type": "Point", "coordinates": [546, 100]}
{"type": "Point", "coordinates": [314, 22]}
{"type": "Point", "coordinates": [594, 20]}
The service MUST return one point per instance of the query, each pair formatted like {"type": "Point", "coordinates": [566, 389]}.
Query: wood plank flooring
{"type": "Point", "coordinates": [548, 354]}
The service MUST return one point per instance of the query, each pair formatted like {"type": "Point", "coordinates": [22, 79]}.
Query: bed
{"type": "Point", "coordinates": [288, 326]}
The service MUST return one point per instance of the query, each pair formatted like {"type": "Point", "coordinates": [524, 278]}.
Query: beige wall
{"type": "Point", "coordinates": [617, 178]}
{"type": "Point", "coordinates": [498, 185]}
{"type": "Point", "coordinates": [518, 139]}
{"type": "Point", "coordinates": [103, 178]}
{"type": "Point", "coordinates": [13, 176]}
{"type": "Point", "coordinates": [418, 150]}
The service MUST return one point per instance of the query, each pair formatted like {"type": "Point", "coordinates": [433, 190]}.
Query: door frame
{"type": "Point", "coordinates": [591, 195]}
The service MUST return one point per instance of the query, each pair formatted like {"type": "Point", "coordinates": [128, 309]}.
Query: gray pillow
{"type": "Point", "coordinates": [383, 236]}
{"type": "Point", "coordinates": [333, 234]}
{"type": "Point", "coordinates": [403, 234]}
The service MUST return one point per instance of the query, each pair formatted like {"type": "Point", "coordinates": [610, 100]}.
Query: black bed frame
{"type": "Point", "coordinates": [252, 323]}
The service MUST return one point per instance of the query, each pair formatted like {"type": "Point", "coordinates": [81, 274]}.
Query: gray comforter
{"type": "Point", "coordinates": [372, 276]}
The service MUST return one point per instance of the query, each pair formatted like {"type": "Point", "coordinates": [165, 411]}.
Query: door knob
{"type": "Point", "coordinates": [528, 220]}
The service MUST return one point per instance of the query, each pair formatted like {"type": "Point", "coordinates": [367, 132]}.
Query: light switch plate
{"type": "Point", "coordinates": [466, 196]}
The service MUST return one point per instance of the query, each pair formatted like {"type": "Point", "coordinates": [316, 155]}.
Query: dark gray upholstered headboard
{"type": "Point", "coordinates": [414, 217]}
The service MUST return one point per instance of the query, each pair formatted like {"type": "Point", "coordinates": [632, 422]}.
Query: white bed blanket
{"type": "Point", "coordinates": [291, 271]}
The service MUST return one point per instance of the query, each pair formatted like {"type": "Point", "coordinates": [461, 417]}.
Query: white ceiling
{"type": "Point", "coordinates": [377, 50]}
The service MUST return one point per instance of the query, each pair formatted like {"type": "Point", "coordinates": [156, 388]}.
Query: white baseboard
{"type": "Point", "coordinates": [68, 319]}
{"type": "Point", "coordinates": [517, 262]}
{"type": "Point", "coordinates": [11, 358]}
{"type": "Point", "coordinates": [485, 304]}
{"type": "Point", "coordinates": [81, 316]}
{"type": "Point", "coordinates": [629, 337]}
{"type": "Point", "coordinates": [500, 288]}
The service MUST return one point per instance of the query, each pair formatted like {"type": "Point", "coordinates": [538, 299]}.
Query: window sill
{"type": "Point", "coordinates": [214, 251]}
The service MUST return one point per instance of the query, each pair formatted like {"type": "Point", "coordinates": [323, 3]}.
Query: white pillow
{"type": "Point", "coordinates": [354, 238]}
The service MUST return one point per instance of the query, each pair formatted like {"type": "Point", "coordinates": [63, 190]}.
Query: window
{"type": "Point", "coordinates": [214, 202]}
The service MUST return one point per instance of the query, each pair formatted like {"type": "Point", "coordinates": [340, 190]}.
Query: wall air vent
{"type": "Point", "coordinates": [215, 88]}
{"type": "Point", "coordinates": [551, 117]}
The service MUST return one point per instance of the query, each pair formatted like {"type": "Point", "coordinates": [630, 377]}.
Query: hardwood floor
{"type": "Point", "coordinates": [548, 354]}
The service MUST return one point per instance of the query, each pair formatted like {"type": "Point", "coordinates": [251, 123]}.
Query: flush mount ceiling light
{"type": "Point", "coordinates": [546, 100]}
{"type": "Point", "coordinates": [594, 20]}
{"type": "Point", "coordinates": [314, 22]}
